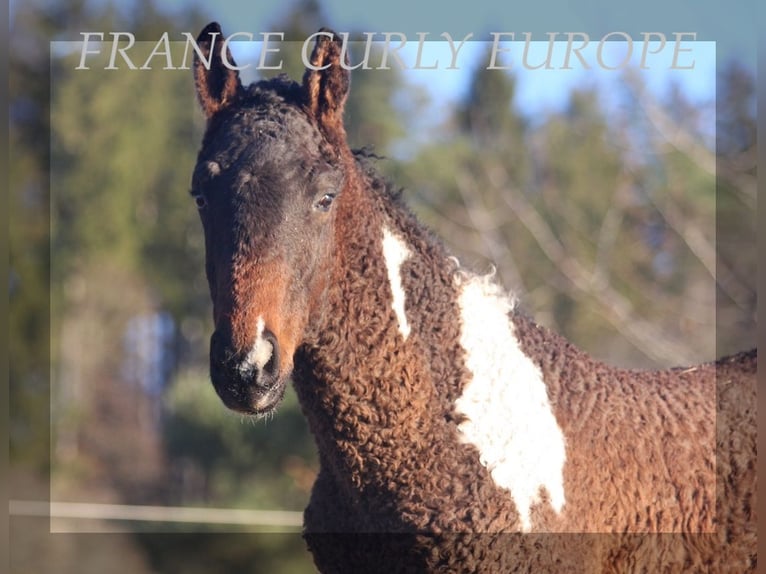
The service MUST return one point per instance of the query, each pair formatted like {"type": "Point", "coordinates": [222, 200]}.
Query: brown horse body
{"type": "Point", "coordinates": [454, 433]}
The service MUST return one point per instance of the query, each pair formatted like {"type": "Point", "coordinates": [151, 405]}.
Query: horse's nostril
{"type": "Point", "coordinates": [271, 367]}
{"type": "Point", "coordinates": [258, 367]}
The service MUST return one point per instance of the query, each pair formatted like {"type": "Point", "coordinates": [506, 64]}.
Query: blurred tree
{"type": "Point", "coordinates": [266, 464]}
{"type": "Point", "coordinates": [736, 209]}
{"type": "Point", "coordinates": [487, 113]}
{"type": "Point", "coordinates": [29, 230]}
{"type": "Point", "coordinates": [121, 221]}
{"type": "Point", "coordinates": [450, 176]}
{"type": "Point", "coordinates": [29, 313]}
{"type": "Point", "coordinates": [599, 225]}
{"type": "Point", "coordinates": [38, 285]}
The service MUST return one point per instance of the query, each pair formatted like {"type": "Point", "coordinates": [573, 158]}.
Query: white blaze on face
{"type": "Point", "coordinates": [260, 354]}
{"type": "Point", "coordinates": [509, 417]}
{"type": "Point", "coordinates": [396, 252]}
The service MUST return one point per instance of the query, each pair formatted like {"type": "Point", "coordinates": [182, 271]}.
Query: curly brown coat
{"type": "Point", "coordinates": [295, 225]}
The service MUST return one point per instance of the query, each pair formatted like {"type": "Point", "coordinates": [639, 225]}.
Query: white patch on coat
{"type": "Point", "coordinates": [396, 252]}
{"type": "Point", "coordinates": [509, 417]}
{"type": "Point", "coordinates": [261, 351]}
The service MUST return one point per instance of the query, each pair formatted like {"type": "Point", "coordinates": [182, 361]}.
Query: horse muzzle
{"type": "Point", "coordinates": [248, 382]}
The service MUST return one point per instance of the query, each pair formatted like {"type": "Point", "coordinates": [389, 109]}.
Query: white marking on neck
{"type": "Point", "coordinates": [509, 416]}
{"type": "Point", "coordinates": [396, 252]}
{"type": "Point", "coordinates": [260, 354]}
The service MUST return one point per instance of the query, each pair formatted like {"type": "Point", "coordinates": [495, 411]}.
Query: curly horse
{"type": "Point", "coordinates": [454, 433]}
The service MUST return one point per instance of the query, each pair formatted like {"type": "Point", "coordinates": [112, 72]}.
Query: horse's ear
{"type": "Point", "coordinates": [326, 82]}
{"type": "Point", "coordinates": [215, 73]}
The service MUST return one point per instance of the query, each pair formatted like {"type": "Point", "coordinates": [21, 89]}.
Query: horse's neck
{"type": "Point", "coordinates": [391, 297]}
{"type": "Point", "coordinates": [405, 323]}
{"type": "Point", "coordinates": [416, 356]}
{"type": "Point", "coordinates": [385, 360]}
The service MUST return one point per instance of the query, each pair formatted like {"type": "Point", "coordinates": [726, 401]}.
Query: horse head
{"type": "Point", "coordinates": [272, 172]}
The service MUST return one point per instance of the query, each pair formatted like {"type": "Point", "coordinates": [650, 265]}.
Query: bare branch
{"type": "Point", "coordinates": [485, 222]}
{"type": "Point", "coordinates": [736, 170]}
{"type": "Point", "coordinates": [607, 236]}
{"type": "Point", "coordinates": [705, 252]}
{"type": "Point", "coordinates": [690, 233]}
{"type": "Point", "coordinates": [616, 308]}
{"type": "Point", "coordinates": [673, 134]}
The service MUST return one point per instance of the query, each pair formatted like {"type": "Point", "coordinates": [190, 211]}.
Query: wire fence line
{"type": "Point", "coordinates": [273, 520]}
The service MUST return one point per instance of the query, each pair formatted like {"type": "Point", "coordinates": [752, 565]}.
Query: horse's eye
{"type": "Point", "coordinates": [324, 203]}
{"type": "Point", "coordinates": [200, 201]}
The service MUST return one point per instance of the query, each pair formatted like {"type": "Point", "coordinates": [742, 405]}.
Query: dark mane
{"type": "Point", "coordinates": [366, 162]}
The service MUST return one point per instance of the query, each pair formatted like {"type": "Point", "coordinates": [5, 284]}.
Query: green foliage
{"type": "Point", "coordinates": [28, 318]}
{"type": "Point", "coordinates": [122, 154]}
{"type": "Point", "coordinates": [261, 464]}
{"type": "Point", "coordinates": [487, 113]}
{"type": "Point", "coordinates": [601, 223]}
{"type": "Point", "coordinates": [736, 210]}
